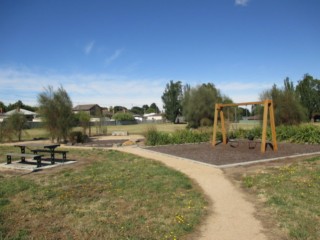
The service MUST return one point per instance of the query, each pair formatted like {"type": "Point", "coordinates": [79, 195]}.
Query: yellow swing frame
{"type": "Point", "coordinates": [268, 108]}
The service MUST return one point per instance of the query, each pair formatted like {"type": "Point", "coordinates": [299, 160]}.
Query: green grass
{"type": "Point", "coordinates": [292, 193]}
{"type": "Point", "coordinates": [113, 196]}
{"type": "Point", "coordinates": [141, 129]}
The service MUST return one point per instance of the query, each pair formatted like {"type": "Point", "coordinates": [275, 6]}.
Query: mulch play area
{"type": "Point", "coordinates": [233, 153]}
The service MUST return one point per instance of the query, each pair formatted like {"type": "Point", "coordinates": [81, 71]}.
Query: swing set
{"type": "Point", "coordinates": [268, 108]}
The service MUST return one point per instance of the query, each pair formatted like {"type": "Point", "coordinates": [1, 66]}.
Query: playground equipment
{"type": "Point", "coordinates": [268, 108]}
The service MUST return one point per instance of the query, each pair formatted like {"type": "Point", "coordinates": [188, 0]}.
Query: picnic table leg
{"type": "Point", "coordinates": [38, 161]}
{"type": "Point", "coordinates": [8, 159]}
{"type": "Point", "coordinates": [64, 157]}
{"type": "Point", "coordinates": [52, 156]}
{"type": "Point", "coordinates": [23, 151]}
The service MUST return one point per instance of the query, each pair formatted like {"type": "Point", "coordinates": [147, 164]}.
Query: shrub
{"type": "Point", "coordinates": [306, 133]}
{"type": "Point", "coordinates": [78, 137]}
{"type": "Point", "coordinates": [153, 137]}
{"type": "Point", "coordinates": [121, 116]}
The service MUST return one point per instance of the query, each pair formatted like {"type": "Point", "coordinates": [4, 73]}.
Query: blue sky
{"type": "Point", "coordinates": [124, 52]}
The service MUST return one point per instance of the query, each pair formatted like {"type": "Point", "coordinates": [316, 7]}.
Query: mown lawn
{"type": "Point", "coordinates": [292, 193]}
{"type": "Point", "coordinates": [106, 195]}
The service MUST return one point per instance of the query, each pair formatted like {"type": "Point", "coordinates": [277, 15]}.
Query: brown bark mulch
{"type": "Point", "coordinates": [234, 152]}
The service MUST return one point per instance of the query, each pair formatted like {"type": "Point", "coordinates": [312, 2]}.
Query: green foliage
{"type": "Point", "coordinates": [18, 104]}
{"type": "Point", "coordinates": [171, 99]}
{"type": "Point", "coordinates": [198, 103]}
{"type": "Point", "coordinates": [154, 137]}
{"type": "Point", "coordinates": [121, 116]}
{"type": "Point", "coordinates": [305, 133]}
{"type": "Point", "coordinates": [84, 120]}
{"type": "Point", "coordinates": [13, 125]}
{"type": "Point", "coordinates": [137, 110]}
{"type": "Point", "coordinates": [55, 108]}
{"type": "Point", "coordinates": [287, 107]}
{"type": "Point", "coordinates": [77, 137]}
{"type": "Point", "coordinates": [153, 108]}
{"type": "Point", "coordinates": [308, 90]}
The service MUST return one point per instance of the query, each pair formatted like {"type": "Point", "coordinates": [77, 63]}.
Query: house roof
{"type": "Point", "coordinates": [85, 107]}
{"type": "Point", "coordinates": [21, 110]}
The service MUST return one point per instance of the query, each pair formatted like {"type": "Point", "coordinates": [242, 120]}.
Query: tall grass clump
{"type": "Point", "coordinates": [154, 137]}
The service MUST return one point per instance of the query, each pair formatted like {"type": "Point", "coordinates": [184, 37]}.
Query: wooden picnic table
{"type": "Point", "coordinates": [32, 146]}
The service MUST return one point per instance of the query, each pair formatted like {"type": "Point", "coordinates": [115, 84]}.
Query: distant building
{"type": "Point", "coordinates": [94, 110]}
{"type": "Point", "coordinates": [28, 114]}
{"type": "Point", "coordinates": [153, 116]}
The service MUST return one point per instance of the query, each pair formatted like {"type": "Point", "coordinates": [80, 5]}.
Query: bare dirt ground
{"type": "Point", "coordinates": [224, 155]}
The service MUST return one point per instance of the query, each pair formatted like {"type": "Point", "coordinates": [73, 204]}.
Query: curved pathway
{"type": "Point", "coordinates": [232, 217]}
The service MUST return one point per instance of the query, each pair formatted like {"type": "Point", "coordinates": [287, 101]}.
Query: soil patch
{"type": "Point", "coordinates": [234, 154]}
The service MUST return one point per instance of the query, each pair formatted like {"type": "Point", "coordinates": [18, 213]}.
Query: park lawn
{"type": "Point", "coordinates": [140, 129]}
{"type": "Point", "coordinates": [291, 193]}
{"type": "Point", "coordinates": [106, 195]}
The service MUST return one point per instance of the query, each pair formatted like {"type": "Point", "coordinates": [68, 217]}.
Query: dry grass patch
{"type": "Point", "coordinates": [116, 196]}
{"type": "Point", "coordinates": [291, 194]}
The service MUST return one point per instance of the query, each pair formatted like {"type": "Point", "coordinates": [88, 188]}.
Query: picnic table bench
{"type": "Point", "coordinates": [64, 153]}
{"type": "Point", "coordinates": [48, 147]}
{"type": "Point", "coordinates": [23, 157]}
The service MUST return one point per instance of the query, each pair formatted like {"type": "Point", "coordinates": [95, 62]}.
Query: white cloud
{"type": "Point", "coordinates": [88, 48]}
{"type": "Point", "coordinates": [114, 56]}
{"type": "Point", "coordinates": [104, 89]}
{"type": "Point", "coordinates": [241, 2]}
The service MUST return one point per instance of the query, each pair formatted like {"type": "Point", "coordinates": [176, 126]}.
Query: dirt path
{"type": "Point", "coordinates": [232, 217]}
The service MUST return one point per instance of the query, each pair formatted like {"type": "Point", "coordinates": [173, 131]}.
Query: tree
{"type": "Point", "coordinates": [84, 120]}
{"type": "Point", "coordinates": [145, 108]}
{"type": "Point", "coordinates": [287, 108]}
{"type": "Point", "coordinates": [308, 90]}
{"type": "Point", "coordinates": [198, 104]}
{"type": "Point", "coordinates": [55, 108]}
{"type": "Point", "coordinates": [2, 107]}
{"type": "Point", "coordinates": [172, 98]}
{"type": "Point", "coordinates": [137, 110]}
{"type": "Point", "coordinates": [153, 108]}
{"type": "Point", "coordinates": [19, 104]}
{"type": "Point", "coordinates": [15, 124]}
{"type": "Point", "coordinates": [119, 109]}
{"type": "Point", "coordinates": [120, 116]}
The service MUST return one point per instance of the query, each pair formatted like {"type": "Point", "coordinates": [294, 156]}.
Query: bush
{"type": "Point", "coordinates": [121, 116]}
{"type": "Point", "coordinates": [78, 137]}
{"type": "Point", "coordinates": [306, 133]}
{"type": "Point", "coordinates": [153, 137]}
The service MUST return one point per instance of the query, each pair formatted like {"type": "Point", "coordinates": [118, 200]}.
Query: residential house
{"type": "Point", "coordinates": [153, 117]}
{"type": "Point", "coordinates": [28, 114]}
{"type": "Point", "coordinates": [94, 110]}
